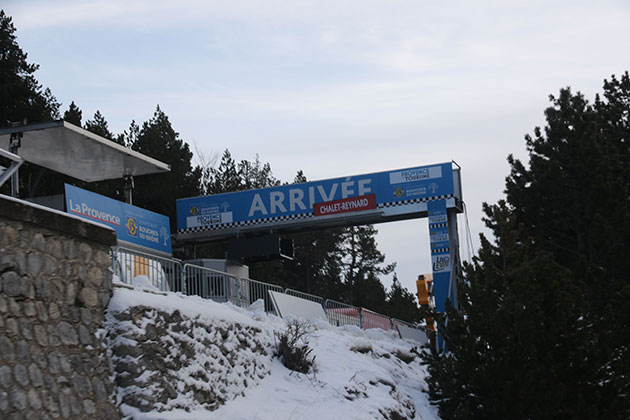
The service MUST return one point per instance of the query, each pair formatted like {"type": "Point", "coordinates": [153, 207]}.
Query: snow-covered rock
{"type": "Point", "coordinates": [179, 357]}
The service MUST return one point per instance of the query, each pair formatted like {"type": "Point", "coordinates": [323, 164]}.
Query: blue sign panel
{"type": "Point", "coordinates": [132, 224]}
{"type": "Point", "coordinates": [441, 257]}
{"type": "Point", "coordinates": [298, 201]}
{"type": "Point", "coordinates": [440, 251]}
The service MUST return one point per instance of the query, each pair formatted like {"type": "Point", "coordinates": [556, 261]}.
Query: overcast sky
{"type": "Point", "coordinates": [333, 88]}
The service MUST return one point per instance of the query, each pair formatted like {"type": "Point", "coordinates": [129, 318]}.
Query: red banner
{"type": "Point", "coordinates": [347, 205]}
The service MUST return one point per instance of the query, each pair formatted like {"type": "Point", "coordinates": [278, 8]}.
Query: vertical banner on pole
{"type": "Point", "coordinates": [440, 252]}
{"type": "Point", "coordinates": [440, 256]}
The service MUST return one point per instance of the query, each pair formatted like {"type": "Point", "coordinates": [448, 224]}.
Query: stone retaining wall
{"type": "Point", "coordinates": [55, 284]}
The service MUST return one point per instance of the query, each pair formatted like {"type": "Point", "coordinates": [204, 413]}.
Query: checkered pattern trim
{"type": "Point", "coordinates": [440, 250]}
{"type": "Point", "coordinates": [414, 200]}
{"type": "Point", "coordinates": [437, 225]}
{"type": "Point", "coordinates": [301, 216]}
{"type": "Point", "coordinates": [247, 223]}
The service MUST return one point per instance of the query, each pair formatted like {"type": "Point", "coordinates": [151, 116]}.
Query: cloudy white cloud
{"type": "Point", "coordinates": [333, 87]}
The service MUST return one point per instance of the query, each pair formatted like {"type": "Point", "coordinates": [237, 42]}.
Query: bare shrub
{"type": "Point", "coordinates": [292, 347]}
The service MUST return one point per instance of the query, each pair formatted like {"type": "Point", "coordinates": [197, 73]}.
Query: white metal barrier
{"type": "Point", "coordinates": [145, 270]}
{"type": "Point", "coordinates": [339, 313]}
{"type": "Point", "coordinates": [169, 274]}
{"type": "Point", "coordinates": [205, 282]}
{"type": "Point", "coordinates": [303, 295]}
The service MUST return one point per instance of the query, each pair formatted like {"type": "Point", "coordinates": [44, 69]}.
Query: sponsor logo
{"type": "Point", "coordinates": [366, 202]}
{"type": "Point", "coordinates": [83, 209]}
{"type": "Point", "coordinates": [441, 263]}
{"type": "Point", "coordinates": [132, 226]}
{"type": "Point", "coordinates": [415, 175]}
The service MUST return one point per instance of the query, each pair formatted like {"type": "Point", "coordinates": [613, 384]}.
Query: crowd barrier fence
{"type": "Point", "coordinates": [171, 275]}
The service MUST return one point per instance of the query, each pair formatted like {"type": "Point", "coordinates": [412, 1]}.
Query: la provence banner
{"type": "Point", "coordinates": [132, 224]}
{"type": "Point", "coordinates": [339, 197]}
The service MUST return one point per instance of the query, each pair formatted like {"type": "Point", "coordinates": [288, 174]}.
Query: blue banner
{"type": "Point", "coordinates": [298, 201]}
{"type": "Point", "coordinates": [441, 258]}
{"type": "Point", "coordinates": [132, 224]}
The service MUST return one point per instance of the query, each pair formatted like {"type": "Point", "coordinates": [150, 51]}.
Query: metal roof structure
{"type": "Point", "coordinates": [73, 151]}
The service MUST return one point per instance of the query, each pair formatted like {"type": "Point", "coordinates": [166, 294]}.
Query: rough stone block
{"type": "Point", "coordinates": [53, 310]}
{"type": "Point", "coordinates": [75, 406]}
{"type": "Point", "coordinates": [65, 363]}
{"type": "Point", "coordinates": [7, 351]}
{"type": "Point", "coordinates": [21, 351]}
{"type": "Point", "coordinates": [85, 253]}
{"type": "Point", "coordinates": [67, 334]}
{"type": "Point", "coordinates": [27, 328]}
{"type": "Point", "coordinates": [50, 384]}
{"type": "Point", "coordinates": [89, 297]}
{"type": "Point", "coordinates": [29, 309]}
{"type": "Point", "coordinates": [34, 263]}
{"type": "Point", "coordinates": [54, 364]}
{"type": "Point", "coordinates": [50, 404]}
{"type": "Point", "coordinates": [4, 401]}
{"type": "Point", "coordinates": [20, 261]}
{"type": "Point", "coordinates": [71, 292]}
{"type": "Point", "coordinates": [51, 266]}
{"type": "Point", "coordinates": [5, 376]}
{"type": "Point", "coordinates": [42, 312]}
{"type": "Point", "coordinates": [95, 276]}
{"type": "Point", "coordinates": [38, 242]}
{"type": "Point", "coordinates": [40, 335]}
{"type": "Point", "coordinates": [99, 389]}
{"type": "Point", "coordinates": [21, 374]}
{"type": "Point", "coordinates": [86, 316]}
{"type": "Point", "coordinates": [54, 248]}
{"type": "Point", "coordinates": [12, 327]}
{"type": "Point", "coordinates": [11, 235]}
{"type": "Point", "coordinates": [70, 249]}
{"type": "Point", "coordinates": [38, 356]}
{"type": "Point", "coordinates": [35, 373]}
{"type": "Point", "coordinates": [53, 336]}
{"type": "Point", "coordinates": [11, 283]}
{"type": "Point", "coordinates": [15, 308]}
{"type": "Point", "coordinates": [33, 399]}
{"type": "Point", "coordinates": [64, 406]}
{"type": "Point", "coordinates": [84, 335]}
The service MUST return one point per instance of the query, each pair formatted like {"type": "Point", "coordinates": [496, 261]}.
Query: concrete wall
{"type": "Point", "coordinates": [54, 287]}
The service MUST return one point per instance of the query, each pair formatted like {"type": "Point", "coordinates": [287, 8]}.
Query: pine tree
{"type": "Point", "coordinates": [362, 267]}
{"type": "Point", "coordinates": [543, 331]}
{"type": "Point", "coordinates": [401, 303]}
{"type": "Point", "coordinates": [24, 100]}
{"type": "Point", "coordinates": [73, 115]}
{"type": "Point", "coordinates": [22, 97]}
{"type": "Point", "coordinates": [225, 178]}
{"type": "Point", "coordinates": [99, 126]}
{"type": "Point", "coordinates": [159, 192]}
{"type": "Point", "coordinates": [256, 174]}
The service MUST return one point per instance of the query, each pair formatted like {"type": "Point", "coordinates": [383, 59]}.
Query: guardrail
{"type": "Point", "coordinates": [339, 313]}
{"type": "Point", "coordinates": [259, 290]}
{"type": "Point", "coordinates": [169, 274]}
{"type": "Point", "coordinates": [370, 319]}
{"type": "Point", "coordinates": [142, 269]}
{"type": "Point", "coordinates": [303, 295]}
{"type": "Point", "coordinates": [205, 282]}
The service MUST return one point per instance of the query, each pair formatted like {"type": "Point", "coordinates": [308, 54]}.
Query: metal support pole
{"type": "Point", "coordinates": [15, 143]}
{"type": "Point", "coordinates": [128, 186]}
{"type": "Point", "coordinates": [453, 238]}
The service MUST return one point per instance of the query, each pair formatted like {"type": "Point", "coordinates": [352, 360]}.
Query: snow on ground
{"type": "Point", "coordinates": [359, 374]}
